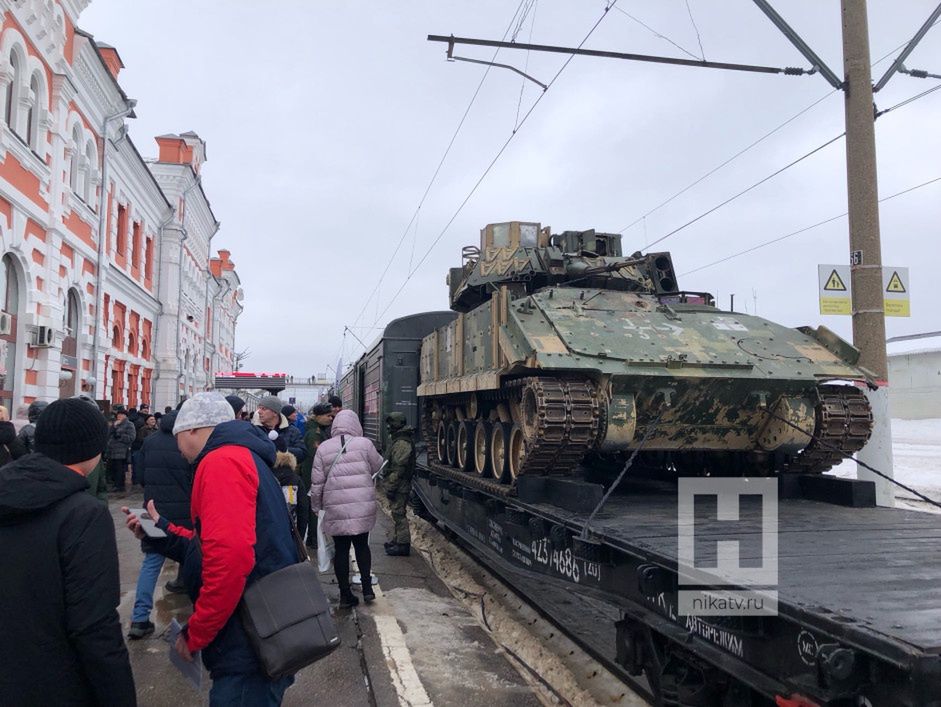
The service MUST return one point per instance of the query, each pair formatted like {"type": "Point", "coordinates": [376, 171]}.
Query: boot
{"type": "Point", "coordinates": [347, 599]}
{"type": "Point", "coordinates": [399, 550]}
{"type": "Point", "coordinates": [140, 629]}
{"type": "Point", "coordinates": [369, 596]}
{"type": "Point", "coordinates": [388, 543]}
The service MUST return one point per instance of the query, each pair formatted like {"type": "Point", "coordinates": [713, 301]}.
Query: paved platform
{"type": "Point", "coordinates": [414, 645]}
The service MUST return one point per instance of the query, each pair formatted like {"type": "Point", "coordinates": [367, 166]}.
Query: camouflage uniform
{"type": "Point", "coordinates": [306, 519]}
{"type": "Point", "coordinates": [397, 483]}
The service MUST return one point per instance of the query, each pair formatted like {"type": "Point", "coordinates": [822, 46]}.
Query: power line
{"type": "Point", "coordinates": [746, 190]}
{"type": "Point", "coordinates": [698, 37]}
{"type": "Point", "coordinates": [748, 147]}
{"type": "Point", "coordinates": [804, 229]}
{"type": "Point", "coordinates": [494, 160]}
{"type": "Point", "coordinates": [656, 34]}
{"type": "Point", "coordinates": [437, 171]}
{"type": "Point", "coordinates": [901, 104]}
{"type": "Point", "coordinates": [729, 160]}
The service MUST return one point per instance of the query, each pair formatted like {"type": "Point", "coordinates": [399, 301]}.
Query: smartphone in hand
{"type": "Point", "coordinates": [147, 523]}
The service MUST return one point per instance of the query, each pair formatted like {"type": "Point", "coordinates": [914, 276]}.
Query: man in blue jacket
{"type": "Point", "coordinates": [241, 532]}
{"type": "Point", "coordinates": [167, 481]}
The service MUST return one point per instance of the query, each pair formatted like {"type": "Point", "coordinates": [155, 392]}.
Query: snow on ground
{"type": "Point", "coordinates": [916, 450]}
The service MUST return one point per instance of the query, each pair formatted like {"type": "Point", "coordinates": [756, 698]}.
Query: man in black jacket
{"type": "Point", "coordinates": [61, 639]}
{"type": "Point", "coordinates": [167, 481]}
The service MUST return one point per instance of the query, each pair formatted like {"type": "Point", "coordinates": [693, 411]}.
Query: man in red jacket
{"type": "Point", "coordinates": [244, 533]}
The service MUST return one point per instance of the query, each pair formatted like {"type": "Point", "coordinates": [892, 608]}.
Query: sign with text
{"type": "Point", "coordinates": [836, 290]}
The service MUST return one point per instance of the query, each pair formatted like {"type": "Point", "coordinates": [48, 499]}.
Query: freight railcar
{"type": "Point", "coordinates": [385, 378]}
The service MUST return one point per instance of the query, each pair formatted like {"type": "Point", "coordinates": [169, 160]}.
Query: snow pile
{"type": "Point", "coordinates": [916, 451]}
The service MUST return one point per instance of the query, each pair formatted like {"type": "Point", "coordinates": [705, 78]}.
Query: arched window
{"type": "Point", "coordinates": [144, 348]}
{"type": "Point", "coordinates": [9, 288]}
{"type": "Point", "coordinates": [12, 87]}
{"type": "Point", "coordinates": [72, 314]}
{"type": "Point", "coordinates": [75, 172]}
{"type": "Point", "coordinates": [116, 339]}
{"type": "Point", "coordinates": [33, 112]}
{"type": "Point", "coordinates": [91, 164]}
{"type": "Point", "coordinates": [131, 343]}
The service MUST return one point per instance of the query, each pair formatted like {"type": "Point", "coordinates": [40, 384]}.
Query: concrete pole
{"type": "Point", "coordinates": [863, 196]}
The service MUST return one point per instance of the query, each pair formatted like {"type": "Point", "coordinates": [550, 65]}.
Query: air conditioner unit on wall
{"type": "Point", "coordinates": [43, 337]}
{"type": "Point", "coordinates": [6, 324]}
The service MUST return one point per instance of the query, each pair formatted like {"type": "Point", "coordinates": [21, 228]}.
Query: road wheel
{"type": "Point", "coordinates": [499, 451]}
{"type": "Point", "coordinates": [441, 442]}
{"type": "Point", "coordinates": [451, 442]}
{"type": "Point", "coordinates": [465, 441]}
{"type": "Point", "coordinates": [516, 452]}
{"type": "Point", "coordinates": [482, 432]}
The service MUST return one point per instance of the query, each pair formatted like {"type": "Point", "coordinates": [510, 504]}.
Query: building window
{"type": "Point", "coordinates": [76, 180]}
{"type": "Point", "coordinates": [121, 246]}
{"type": "Point", "coordinates": [149, 259]}
{"type": "Point", "coordinates": [131, 343]}
{"type": "Point", "coordinates": [11, 95]}
{"type": "Point", "coordinates": [32, 114]}
{"type": "Point", "coordinates": [145, 348]}
{"type": "Point", "coordinates": [10, 301]}
{"type": "Point", "coordinates": [135, 245]}
{"type": "Point", "coordinates": [116, 339]}
{"type": "Point", "coordinates": [91, 164]}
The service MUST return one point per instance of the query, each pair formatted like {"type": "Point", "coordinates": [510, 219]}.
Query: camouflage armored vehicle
{"type": "Point", "coordinates": [563, 347]}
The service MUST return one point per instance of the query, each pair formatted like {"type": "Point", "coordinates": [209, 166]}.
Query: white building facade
{"type": "Point", "coordinates": [107, 285]}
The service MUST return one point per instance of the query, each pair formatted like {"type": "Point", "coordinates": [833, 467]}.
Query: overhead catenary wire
{"type": "Point", "coordinates": [493, 162]}
{"type": "Point", "coordinates": [732, 198]}
{"type": "Point", "coordinates": [655, 33]}
{"type": "Point", "coordinates": [735, 196]}
{"type": "Point", "coordinates": [746, 149]}
{"type": "Point", "coordinates": [804, 229]}
{"type": "Point", "coordinates": [692, 19]}
{"type": "Point", "coordinates": [437, 171]}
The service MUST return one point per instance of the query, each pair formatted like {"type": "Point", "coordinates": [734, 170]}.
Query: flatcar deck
{"type": "Point", "coordinates": [859, 589]}
{"type": "Point", "coordinates": [876, 568]}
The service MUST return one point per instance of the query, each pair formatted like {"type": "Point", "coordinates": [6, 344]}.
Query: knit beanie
{"type": "Point", "coordinates": [236, 402]}
{"type": "Point", "coordinates": [288, 410]}
{"type": "Point", "coordinates": [71, 431]}
{"type": "Point", "coordinates": [271, 402]}
{"type": "Point", "coordinates": [203, 410]}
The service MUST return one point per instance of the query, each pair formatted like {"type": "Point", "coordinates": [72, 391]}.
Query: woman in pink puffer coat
{"type": "Point", "coordinates": [345, 496]}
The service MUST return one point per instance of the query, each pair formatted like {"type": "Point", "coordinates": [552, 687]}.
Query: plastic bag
{"type": "Point", "coordinates": [324, 546]}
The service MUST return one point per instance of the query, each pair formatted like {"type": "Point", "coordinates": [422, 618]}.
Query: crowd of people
{"type": "Point", "coordinates": [224, 488]}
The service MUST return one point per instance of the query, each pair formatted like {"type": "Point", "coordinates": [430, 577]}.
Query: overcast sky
{"type": "Point", "coordinates": [325, 121]}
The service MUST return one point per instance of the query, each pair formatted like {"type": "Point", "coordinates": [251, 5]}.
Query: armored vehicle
{"type": "Point", "coordinates": [563, 347]}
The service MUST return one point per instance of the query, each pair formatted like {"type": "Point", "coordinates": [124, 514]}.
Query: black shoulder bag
{"type": "Point", "coordinates": [287, 616]}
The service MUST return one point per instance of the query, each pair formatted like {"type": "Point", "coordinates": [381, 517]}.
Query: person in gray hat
{"type": "Point", "coordinates": [244, 534]}
{"type": "Point", "coordinates": [286, 437]}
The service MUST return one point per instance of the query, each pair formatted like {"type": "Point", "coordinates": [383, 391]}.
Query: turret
{"type": "Point", "coordinates": [524, 257]}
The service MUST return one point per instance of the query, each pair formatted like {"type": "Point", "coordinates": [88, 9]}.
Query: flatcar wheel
{"type": "Point", "coordinates": [499, 451]}
{"type": "Point", "coordinates": [441, 442]}
{"type": "Point", "coordinates": [516, 452]}
{"type": "Point", "coordinates": [482, 432]}
{"type": "Point", "coordinates": [465, 441]}
{"type": "Point", "coordinates": [451, 442]}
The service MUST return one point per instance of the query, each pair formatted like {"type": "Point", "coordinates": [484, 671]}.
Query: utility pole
{"type": "Point", "coordinates": [866, 271]}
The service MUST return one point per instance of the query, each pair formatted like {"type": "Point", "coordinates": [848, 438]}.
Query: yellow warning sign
{"type": "Point", "coordinates": [835, 305]}
{"type": "Point", "coordinates": [897, 307]}
{"type": "Point", "coordinates": [895, 283]}
{"type": "Point", "coordinates": [835, 283]}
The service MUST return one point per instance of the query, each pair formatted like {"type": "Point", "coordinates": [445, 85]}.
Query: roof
{"type": "Point", "coordinates": [928, 342]}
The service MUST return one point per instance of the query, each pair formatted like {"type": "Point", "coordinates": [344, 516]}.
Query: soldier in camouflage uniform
{"type": "Point", "coordinates": [397, 483]}
{"type": "Point", "coordinates": [318, 430]}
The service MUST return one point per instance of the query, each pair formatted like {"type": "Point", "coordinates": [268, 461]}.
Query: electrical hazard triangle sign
{"type": "Point", "coordinates": [835, 283]}
{"type": "Point", "coordinates": [895, 283]}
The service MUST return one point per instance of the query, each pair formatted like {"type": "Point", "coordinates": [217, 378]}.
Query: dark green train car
{"type": "Point", "coordinates": [385, 378]}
